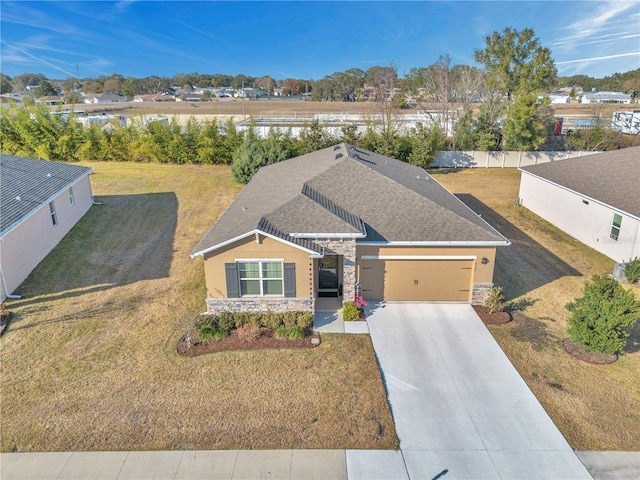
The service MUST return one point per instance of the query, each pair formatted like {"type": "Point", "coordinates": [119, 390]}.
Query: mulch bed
{"type": "Point", "coordinates": [494, 318]}
{"type": "Point", "coordinates": [594, 358]}
{"type": "Point", "coordinates": [188, 346]}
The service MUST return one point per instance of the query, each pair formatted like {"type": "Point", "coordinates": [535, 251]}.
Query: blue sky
{"type": "Point", "coordinates": [301, 39]}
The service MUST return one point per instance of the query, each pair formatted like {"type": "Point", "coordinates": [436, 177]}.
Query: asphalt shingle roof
{"type": "Point", "coordinates": [612, 178]}
{"type": "Point", "coordinates": [347, 190]}
{"type": "Point", "coordinates": [26, 184]}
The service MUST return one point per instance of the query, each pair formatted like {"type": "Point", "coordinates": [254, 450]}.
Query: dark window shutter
{"type": "Point", "coordinates": [289, 279]}
{"type": "Point", "coordinates": [231, 271]}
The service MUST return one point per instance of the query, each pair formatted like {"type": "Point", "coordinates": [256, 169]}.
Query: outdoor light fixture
{"type": "Point", "coordinates": [485, 260]}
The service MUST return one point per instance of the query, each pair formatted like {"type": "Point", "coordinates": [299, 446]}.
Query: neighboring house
{"type": "Point", "coordinates": [343, 219]}
{"type": "Point", "coordinates": [50, 100]}
{"type": "Point", "coordinates": [153, 97]}
{"type": "Point", "coordinates": [559, 98]}
{"type": "Point", "coordinates": [190, 97]}
{"type": "Point", "coordinates": [594, 199]}
{"type": "Point", "coordinates": [606, 97]}
{"type": "Point", "coordinates": [41, 202]}
{"type": "Point", "coordinates": [105, 98]}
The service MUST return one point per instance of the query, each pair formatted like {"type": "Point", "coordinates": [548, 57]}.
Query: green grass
{"type": "Point", "coordinates": [595, 407]}
{"type": "Point", "coordinates": [89, 361]}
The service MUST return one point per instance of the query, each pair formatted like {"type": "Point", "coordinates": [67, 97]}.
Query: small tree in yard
{"type": "Point", "coordinates": [632, 270]}
{"type": "Point", "coordinates": [495, 300]}
{"type": "Point", "coordinates": [601, 318]}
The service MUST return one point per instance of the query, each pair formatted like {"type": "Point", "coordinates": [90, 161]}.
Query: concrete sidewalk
{"type": "Point", "coordinates": [254, 464]}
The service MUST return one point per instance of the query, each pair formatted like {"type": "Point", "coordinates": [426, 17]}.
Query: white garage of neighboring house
{"type": "Point", "coordinates": [40, 202]}
{"type": "Point", "coordinates": [595, 199]}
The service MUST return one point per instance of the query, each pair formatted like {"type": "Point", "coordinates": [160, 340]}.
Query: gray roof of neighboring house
{"type": "Point", "coordinates": [34, 182]}
{"type": "Point", "coordinates": [611, 177]}
{"type": "Point", "coordinates": [353, 192]}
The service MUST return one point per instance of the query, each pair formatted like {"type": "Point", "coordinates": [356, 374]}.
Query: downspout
{"type": "Point", "coordinates": [4, 287]}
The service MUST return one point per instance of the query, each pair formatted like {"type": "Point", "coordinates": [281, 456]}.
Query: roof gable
{"type": "Point", "coordinates": [26, 184]}
{"type": "Point", "coordinates": [611, 177]}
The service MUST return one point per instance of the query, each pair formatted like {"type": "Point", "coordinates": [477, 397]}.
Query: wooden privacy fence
{"type": "Point", "coordinates": [473, 159]}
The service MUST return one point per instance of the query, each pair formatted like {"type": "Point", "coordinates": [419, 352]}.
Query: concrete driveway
{"type": "Point", "coordinates": [460, 408]}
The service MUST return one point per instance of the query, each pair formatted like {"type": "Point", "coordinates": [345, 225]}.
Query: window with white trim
{"type": "Point", "coordinates": [52, 211]}
{"type": "Point", "coordinates": [72, 200]}
{"type": "Point", "coordinates": [615, 226]}
{"type": "Point", "coordinates": [261, 278]}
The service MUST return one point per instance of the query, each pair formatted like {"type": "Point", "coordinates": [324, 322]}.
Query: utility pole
{"type": "Point", "coordinates": [244, 111]}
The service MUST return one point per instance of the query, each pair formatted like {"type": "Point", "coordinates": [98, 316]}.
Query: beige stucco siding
{"type": "Point", "coordinates": [585, 219]}
{"type": "Point", "coordinates": [24, 247]}
{"type": "Point", "coordinates": [249, 248]}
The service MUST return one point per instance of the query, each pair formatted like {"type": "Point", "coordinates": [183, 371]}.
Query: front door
{"type": "Point", "coordinates": [328, 279]}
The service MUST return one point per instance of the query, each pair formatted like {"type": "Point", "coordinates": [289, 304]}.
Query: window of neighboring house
{"type": "Point", "coordinates": [260, 278]}
{"type": "Point", "coordinates": [72, 200]}
{"type": "Point", "coordinates": [54, 217]}
{"type": "Point", "coordinates": [615, 226]}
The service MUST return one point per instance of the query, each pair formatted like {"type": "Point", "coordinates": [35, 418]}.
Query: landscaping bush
{"type": "Point", "coordinates": [207, 332]}
{"type": "Point", "coordinates": [226, 321]}
{"type": "Point", "coordinates": [600, 319]}
{"type": "Point", "coordinates": [350, 312]}
{"type": "Point", "coordinates": [292, 333]}
{"type": "Point", "coordinates": [304, 319]}
{"type": "Point", "coordinates": [495, 300]}
{"type": "Point", "coordinates": [632, 270]}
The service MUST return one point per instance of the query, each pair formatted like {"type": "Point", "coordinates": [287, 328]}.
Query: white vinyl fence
{"type": "Point", "coordinates": [500, 159]}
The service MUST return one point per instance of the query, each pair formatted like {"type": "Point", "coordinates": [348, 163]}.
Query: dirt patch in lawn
{"type": "Point", "coordinates": [189, 346]}
{"type": "Point", "coordinates": [593, 358]}
{"type": "Point", "coordinates": [491, 318]}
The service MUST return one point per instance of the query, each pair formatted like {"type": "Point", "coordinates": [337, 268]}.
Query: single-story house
{"type": "Point", "coordinates": [345, 220]}
{"type": "Point", "coordinates": [41, 202]}
{"type": "Point", "coordinates": [593, 198]}
{"type": "Point", "coordinates": [105, 98]}
{"type": "Point", "coordinates": [606, 97]}
{"type": "Point", "coordinates": [153, 97]}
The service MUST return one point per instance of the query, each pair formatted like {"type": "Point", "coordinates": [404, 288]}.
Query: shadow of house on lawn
{"type": "Point", "coordinates": [123, 239]}
{"type": "Point", "coordinates": [524, 265]}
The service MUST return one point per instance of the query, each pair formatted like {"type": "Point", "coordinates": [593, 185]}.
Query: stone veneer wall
{"type": "Point", "coordinates": [480, 293]}
{"type": "Point", "coordinates": [259, 304]}
{"type": "Point", "coordinates": [346, 248]}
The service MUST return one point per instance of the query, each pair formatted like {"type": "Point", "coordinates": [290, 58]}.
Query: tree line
{"type": "Point", "coordinates": [497, 107]}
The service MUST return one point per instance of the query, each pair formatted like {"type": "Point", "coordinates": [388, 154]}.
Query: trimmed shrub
{"type": "Point", "coordinates": [304, 319]}
{"type": "Point", "coordinates": [632, 270]}
{"type": "Point", "coordinates": [292, 333]}
{"type": "Point", "coordinates": [600, 319]}
{"type": "Point", "coordinates": [350, 312]}
{"type": "Point", "coordinates": [226, 321]}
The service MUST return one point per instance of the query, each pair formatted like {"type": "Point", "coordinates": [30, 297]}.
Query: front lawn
{"type": "Point", "coordinates": [595, 407]}
{"type": "Point", "coordinates": [89, 361]}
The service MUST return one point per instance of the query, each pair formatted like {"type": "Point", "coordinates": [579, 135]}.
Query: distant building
{"type": "Point", "coordinates": [153, 97]}
{"type": "Point", "coordinates": [559, 98]}
{"type": "Point", "coordinates": [606, 97]}
{"type": "Point", "coordinates": [105, 98]}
